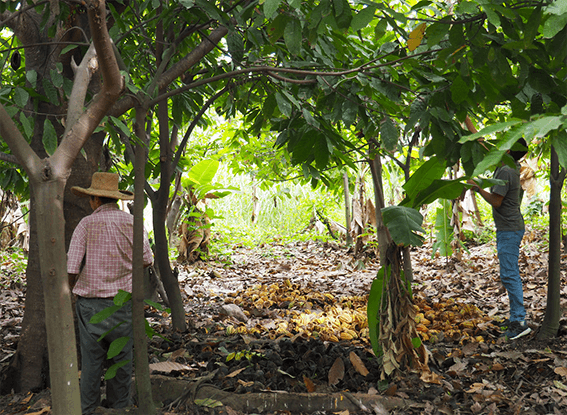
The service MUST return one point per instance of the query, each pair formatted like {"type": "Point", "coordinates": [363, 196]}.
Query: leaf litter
{"type": "Point", "coordinates": [304, 330]}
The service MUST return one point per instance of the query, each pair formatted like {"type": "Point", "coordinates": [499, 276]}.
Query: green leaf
{"type": "Point", "coordinates": [31, 77]}
{"type": "Point", "coordinates": [21, 97]}
{"type": "Point", "coordinates": [553, 25]}
{"type": "Point", "coordinates": [389, 134]}
{"type": "Point", "coordinates": [292, 36]}
{"type": "Point", "coordinates": [283, 104]}
{"type": "Point", "coordinates": [26, 124]}
{"type": "Point", "coordinates": [235, 45]}
{"type": "Point", "coordinates": [444, 235]}
{"type": "Point", "coordinates": [122, 297]}
{"type": "Point", "coordinates": [111, 372]}
{"type": "Point", "coordinates": [50, 91]}
{"type": "Point", "coordinates": [403, 223]}
{"type": "Point", "coordinates": [123, 127]}
{"type": "Point", "coordinates": [491, 129]}
{"type": "Point", "coordinates": [363, 18]}
{"type": "Point", "coordinates": [104, 314]}
{"type": "Point", "coordinates": [416, 342]}
{"type": "Point", "coordinates": [559, 143]}
{"type": "Point", "coordinates": [116, 346]}
{"type": "Point", "coordinates": [208, 403]}
{"type": "Point", "coordinates": [270, 7]}
{"type": "Point", "coordinates": [438, 189]}
{"type": "Point", "coordinates": [436, 32]}
{"type": "Point", "coordinates": [68, 48]}
{"type": "Point", "coordinates": [459, 90]}
{"type": "Point", "coordinates": [49, 138]}
{"type": "Point", "coordinates": [542, 126]}
{"type": "Point", "coordinates": [56, 78]}
{"type": "Point", "coordinates": [431, 170]}
{"type": "Point", "coordinates": [373, 308]}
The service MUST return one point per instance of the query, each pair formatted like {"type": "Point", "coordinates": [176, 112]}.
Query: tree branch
{"type": "Point", "coordinates": [112, 87]}
{"type": "Point", "coordinates": [9, 158]}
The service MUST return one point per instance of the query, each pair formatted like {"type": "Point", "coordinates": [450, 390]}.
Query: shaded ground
{"type": "Point", "coordinates": [293, 318]}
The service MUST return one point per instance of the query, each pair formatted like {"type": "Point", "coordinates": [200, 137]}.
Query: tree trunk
{"type": "Point", "coordinates": [160, 204]}
{"type": "Point", "coordinates": [347, 209]}
{"type": "Point", "coordinates": [59, 323]}
{"type": "Point", "coordinates": [382, 233]}
{"type": "Point", "coordinates": [143, 384]}
{"type": "Point", "coordinates": [550, 324]}
{"type": "Point", "coordinates": [29, 367]}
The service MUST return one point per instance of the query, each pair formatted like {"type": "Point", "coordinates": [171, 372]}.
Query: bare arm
{"type": "Point", "coordinates": [494, 199]}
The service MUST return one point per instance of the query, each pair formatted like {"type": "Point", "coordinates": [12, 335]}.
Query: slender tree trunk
{"type": "Point", "coordinates": [550, 324]}
{"type": "Point", "coordinates": [160, 204]}
{"type": "Point", "coordinates": [348, 215]}
{"type": "Point", "coordinates": [382, 233]}
{"type": "Point", "coordinates": [143, 384]}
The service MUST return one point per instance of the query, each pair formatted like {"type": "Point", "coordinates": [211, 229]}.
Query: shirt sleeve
{"type": "Point", "coordinates": [503, 175]}
{"type": "Point", "coordinates": [77, 249]}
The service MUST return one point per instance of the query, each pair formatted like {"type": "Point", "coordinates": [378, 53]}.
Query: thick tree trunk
{"type": "Point", "coordinates": [63, 367]}
{"type": "Point", "coordinates": [29, 366]}
{"type": "Point", "coordinates": [550, 324]}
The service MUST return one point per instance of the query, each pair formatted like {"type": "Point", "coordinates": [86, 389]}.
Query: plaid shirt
{"type": "Point", "coordinates": [105, 240]}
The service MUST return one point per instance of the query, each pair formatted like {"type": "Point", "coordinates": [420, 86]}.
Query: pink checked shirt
{"type": "Point", "coordinates": [106, 238]}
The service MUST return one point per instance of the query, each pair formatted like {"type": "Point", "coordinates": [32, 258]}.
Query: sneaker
{"type": "Point", "coordinates": [517, 329]}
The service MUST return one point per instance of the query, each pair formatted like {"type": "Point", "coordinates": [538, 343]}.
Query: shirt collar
{"type": "Point", "coordinates": [106, 207]}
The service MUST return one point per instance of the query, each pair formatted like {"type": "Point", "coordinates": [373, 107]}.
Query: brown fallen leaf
{"type": "Point", "coordinates": [358, 364]}
{"type": "Point", "coordinates": [309, 384]}
{"type": "Point", "coordinates": [236, 372]}
{"type": "Point", "coordinates": [337, 372]}
{"type": "Point", "coordinates": [497, 366]}
{"type": "Point", "coordinates": [561, 371]}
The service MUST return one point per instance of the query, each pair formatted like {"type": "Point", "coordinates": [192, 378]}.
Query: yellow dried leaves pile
{"type": "Point", "coordinates": [289, 310]}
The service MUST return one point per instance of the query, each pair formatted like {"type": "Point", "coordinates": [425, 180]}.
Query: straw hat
{"type": "Point", "coordinates": [104, 185]}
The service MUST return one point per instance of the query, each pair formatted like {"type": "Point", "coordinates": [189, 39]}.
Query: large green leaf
{"type": "Point", "coordinates": [432, 169]}
{"type": "Point", "coordinates": [403, 223]}
{"type": "Point", "coordinates": [363, 18]}
{"type": "Point", "coordinates": [270, 7]}
{"type": "Point", "coordinates": [292, 36]}
{"type": "Point", "coordinates": [373, 309]}
{"type": "Point", "coordinates": [491, 129]}
{"type": "Point", "coordinates": [444, 234]}
{"type": "Point", "coordinates": [203, 172]}
{"type": "Point", "coordinates": [438, 189]}
{"type": "Point", "coordinates": [559, 142]}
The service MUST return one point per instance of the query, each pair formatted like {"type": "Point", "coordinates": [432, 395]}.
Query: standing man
{"type": "Point", "coordinates": [505, 201]}
{"type": "Point", "coordinates": [100, 255]}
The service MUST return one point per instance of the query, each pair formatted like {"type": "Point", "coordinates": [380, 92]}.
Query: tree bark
{"type": "Point", "coordinates": [143, 384]}
{"type": "Point", "coordinates": [159, 204]}
{"type": "Point", "coordinates": [550, 324]}
{"type": "Point", "coordinates": [382, 233]}
{"type": "Point", "coordinates": [347, 208]}
{"type": "Point", "coordinates": [48, 176]}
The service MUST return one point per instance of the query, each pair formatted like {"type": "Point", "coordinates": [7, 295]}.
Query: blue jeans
{"type": "Point", "coordinates": [508, 246]}
{"type": "Point", "coordinates": [93, 353]}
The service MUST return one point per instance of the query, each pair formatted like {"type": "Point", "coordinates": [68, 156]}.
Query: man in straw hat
{"type": "Point", "coordinates": [103, 242]}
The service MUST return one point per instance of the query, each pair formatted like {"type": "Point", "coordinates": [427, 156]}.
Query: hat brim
{"type": "Point", "coordinates": [120, 194]}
